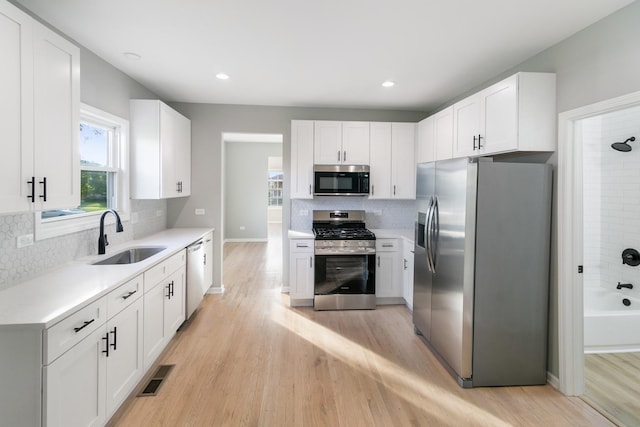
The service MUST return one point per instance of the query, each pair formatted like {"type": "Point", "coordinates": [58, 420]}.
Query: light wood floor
{"type": "Point", "coordinates": [613, 386]}
{"type": "Point", "coordinates": [248, 359]}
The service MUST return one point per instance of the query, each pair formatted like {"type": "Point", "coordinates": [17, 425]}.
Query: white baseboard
{"type": "Point", "coordinates": [216, 290]}
{"type": "Point", "coordinates": [245, 240]}
{"type": "Point", "coordinates": [552, 380]}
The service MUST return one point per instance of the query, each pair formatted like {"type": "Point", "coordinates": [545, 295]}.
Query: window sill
{"type": "Point", "coordinates": [55, 227]}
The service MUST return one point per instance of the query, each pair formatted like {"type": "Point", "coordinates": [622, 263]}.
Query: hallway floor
{"type": "Point", "coordinates": [248, 359]}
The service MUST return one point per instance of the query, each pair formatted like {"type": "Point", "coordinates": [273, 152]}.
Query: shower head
{"type": "Point", "coordinates": [623, 146]}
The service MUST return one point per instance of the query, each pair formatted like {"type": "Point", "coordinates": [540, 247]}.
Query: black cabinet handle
{"type": "Point", "coordinates": [171, 288]}
{"type": "Point", "coordinates": [129, 294]}
{"type": "Point", "coordinates": [43, 196]}
{"type": "Point", "coordinates": [33, 189]}
{"type": "Point", "coordinates": [106, 338]}
{"type": "Point", "coordinates": [479, 138]}
{"type": "Point", "coordinates": [86, 323]}
{"type": "Point", "coordinates": [115, 337]}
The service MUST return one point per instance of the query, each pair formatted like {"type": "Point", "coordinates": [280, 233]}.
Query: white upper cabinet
{"type": "Point", "coordinates": [160, 151]}
{"type": "Point", "coordinates": [302, 159]}
{"type": "Point", "coordinates": [516, 114]}
{"type": "Point", "coordinates": [392, 171]}
{"type": "Point", "coordinates": [341, 143]}
{"type": "Point", "coordinates": [426, 145]}
{"type": "Point", "coordinates": [40, 111]}
{"type": "Point", "coordinates": [443, 134]}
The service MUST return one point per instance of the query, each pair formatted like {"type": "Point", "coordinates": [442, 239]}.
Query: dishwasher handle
{"type": "Point", "coordinates": [195, 246]}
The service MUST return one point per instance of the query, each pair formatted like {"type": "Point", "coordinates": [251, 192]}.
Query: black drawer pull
{"type": "Point", "coordinates": [115, 337]}
{"type": "Point", "coordinates": [129, 294]}
{"type": "Point", "coordinates": [106, 338]}
{"type": "Point", "coordinates": [44, 189]}
{"type": "Point", "coordinates": [32, 183]}
{"type": "Point", "coordinates": [86, 323]}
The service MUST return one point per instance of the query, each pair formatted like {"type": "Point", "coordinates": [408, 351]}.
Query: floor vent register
{"type": "Point", "coordinates": [152, 387]}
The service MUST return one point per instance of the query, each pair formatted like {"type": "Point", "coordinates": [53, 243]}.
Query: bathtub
{"type": "Point", "coordinates": [609, 325]}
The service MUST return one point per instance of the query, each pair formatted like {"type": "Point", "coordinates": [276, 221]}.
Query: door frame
{"type": "Point", "coordinates": [570, 241]}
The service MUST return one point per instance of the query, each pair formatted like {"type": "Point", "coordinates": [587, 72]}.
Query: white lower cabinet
{"type": "Point", "coordinates": [407, 272]}
{"type": "Point", "coordinates": [301, 277]}
{"type": "Point", "coordinates": [388, 274]}
{"type": "Point", "coordinates": [164, 306]}
{"type": "Point", "coordinates": [75, 384]}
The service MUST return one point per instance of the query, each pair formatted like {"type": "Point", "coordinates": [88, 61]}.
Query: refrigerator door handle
{"type": "Point", "coordinates": [427, 235]}
{"type": "Point", "coordinates": [435, 233]}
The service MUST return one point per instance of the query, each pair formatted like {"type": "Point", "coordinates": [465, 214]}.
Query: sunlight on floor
{"type": "Point", "coordinates": [402, 382]}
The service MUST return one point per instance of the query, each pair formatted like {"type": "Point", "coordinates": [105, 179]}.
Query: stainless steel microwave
{"type": "Point", "coordinates": [341, 180]}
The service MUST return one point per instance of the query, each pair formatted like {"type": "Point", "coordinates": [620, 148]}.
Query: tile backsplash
{"type": "Point", "coordinates": [21, 264]}
{"type": "Point", "coordinates": [390, 214]}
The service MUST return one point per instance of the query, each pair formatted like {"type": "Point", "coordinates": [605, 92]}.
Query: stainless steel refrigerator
{"type": "Point", "coordinates": [482, 239]}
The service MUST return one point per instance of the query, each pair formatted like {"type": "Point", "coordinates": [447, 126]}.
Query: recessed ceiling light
{"type": "Point", "coordinates": [222, 76]}
{"type": "Point", "coordinates": [132, 56]}
{"type": "Point", "coordinates": [388, 83]}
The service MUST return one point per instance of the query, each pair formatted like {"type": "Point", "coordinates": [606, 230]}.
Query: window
{"type": "Point", "coordinates": [275, 188]}
{"type": "Point", "coordinates": [103, 175]}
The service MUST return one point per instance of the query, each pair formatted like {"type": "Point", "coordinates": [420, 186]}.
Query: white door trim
{"type": "Point", "coordinates": [570, 298]}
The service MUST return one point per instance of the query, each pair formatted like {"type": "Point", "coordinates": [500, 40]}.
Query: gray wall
{"type": "Point", "coordinates": [209, 121]}
{"type": "Point", "coordinates": [245, 189]}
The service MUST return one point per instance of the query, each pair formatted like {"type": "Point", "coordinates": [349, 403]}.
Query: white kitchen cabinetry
{"type": "Point", "coordinates": [301, 277]}
{"type": "Point", "coordinates": [160, 151]}
{"type": "Point", "coordinates": [516, 114]}
{"type": "Point", "coordinates": [407, 272]}
{"type": "Point", "coordinates": [208, 260]}
{"type": "Point", "coordinates": [388, 273]}
{"type": "Point", "coordinates": [392, 171]}
{"type": "Point", "coordinates": [302, 159]}
{"type": "Point", "coordinates": [40, 111]}
{"type": "Point", "coordinates": [443, 134]}
{"type": "Point", "coordinates": [341, 143]}
{"type": "Point", "coordinates": [164, 305]}
{"type": "Point", "coordinates": [426, 143]}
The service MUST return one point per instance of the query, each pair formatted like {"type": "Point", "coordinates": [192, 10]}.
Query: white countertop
{"type": "Point", "coordinates": [380, 234]}
{"type": "Point", "coordinates": [44, 300]}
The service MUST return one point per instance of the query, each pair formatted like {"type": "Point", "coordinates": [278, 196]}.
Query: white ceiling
{"type": "Point", "coordinates": [322, 53]}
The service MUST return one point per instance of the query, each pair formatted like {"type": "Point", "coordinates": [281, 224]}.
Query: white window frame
{"type": "Point", "coordinates": [59, 226]}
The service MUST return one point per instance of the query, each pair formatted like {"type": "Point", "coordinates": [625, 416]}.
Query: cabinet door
{"type": "Point", "coordinates": [125, 361]}
{"type": "Point", "coordinates": [466, 126]}
{"type": "Point", "coordinates": [327, 143]}
{"type": "Point", "coordinates": [16, 109]}
{"type": "Point", "coordinates": [301, 159]}
{"type": "Point", "coordinates": [174, 303]}
{"type": "Point", "coordinates": [169, 135]}
{"type": "Point", "coordinates": [380, 164]}
{"type": "Point", "coordinates": [75, 384]}
{"type": "Point", "coordinates": [154, 331]}
{"type": "Point", "coordinates": [208, 261]}
{"type": "Point", "coordinates": [443, 134]}
{"type": "Point", "coordinates": [407, 273]}
{"type": "Point", "coordinates": [387, 275]}
{"type": "Point", "coordinates": [403, 171]}
{"type": "Point", "coordinates": [182, 151]}
{"type": "Point", "coordinates": [355, 143]}
{"type": "Point", "coordinates": [56, 120]}
{"type": "Point", "coordinates": [426, 145]}
{"type": "Point", "coordinates": [301, 278]}
{"type": "Point", "coordinates": [500, 118]}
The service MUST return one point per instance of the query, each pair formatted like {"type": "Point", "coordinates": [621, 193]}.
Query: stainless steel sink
{"type": "Point", "coordinates": [132, 255]}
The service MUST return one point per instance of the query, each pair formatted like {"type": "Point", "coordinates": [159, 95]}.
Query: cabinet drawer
{"type": "Point", "coordinates": [162, 270]}
{"type": "Point", "coordinates": [71, 330]}
{"type": "Point", "coordinates": [124, 296]}
{"type": "Point", "coordinates": [386, 245]}
{"type": "Point", "coordinates": [302, 245]}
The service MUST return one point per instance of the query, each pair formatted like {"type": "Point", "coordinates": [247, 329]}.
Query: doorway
{"type": "Point", "coordinates": [598, 192]}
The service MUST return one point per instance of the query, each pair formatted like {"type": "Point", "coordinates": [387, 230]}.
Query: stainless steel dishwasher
{"type": "Point", "coordinates": [196, 284]}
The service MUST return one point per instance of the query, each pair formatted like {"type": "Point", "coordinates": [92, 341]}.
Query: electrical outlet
{"type": "Point", "coordinates": [304, 212]}
{"type": "Point", "coordinates": [242, 227]}
{"type": "Point", "coordinates": [159, 212]}
{"type": "Point", "coordinates": [377, 212]}
{"type": "Point", "coordinates": [199, 211]}
{"type": "Point", "coordinates": [25, 240]}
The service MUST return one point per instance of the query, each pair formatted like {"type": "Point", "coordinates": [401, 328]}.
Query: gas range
{"type": "Point", "coordinates": [342, 232]}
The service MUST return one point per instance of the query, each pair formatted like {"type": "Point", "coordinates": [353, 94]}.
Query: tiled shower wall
{"type": "Point", "coordinates": [391, 214]}
{"type": "Point", "coordinates": [611, 197]}
{"type": "Point", "coordinates": [21, 264]}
